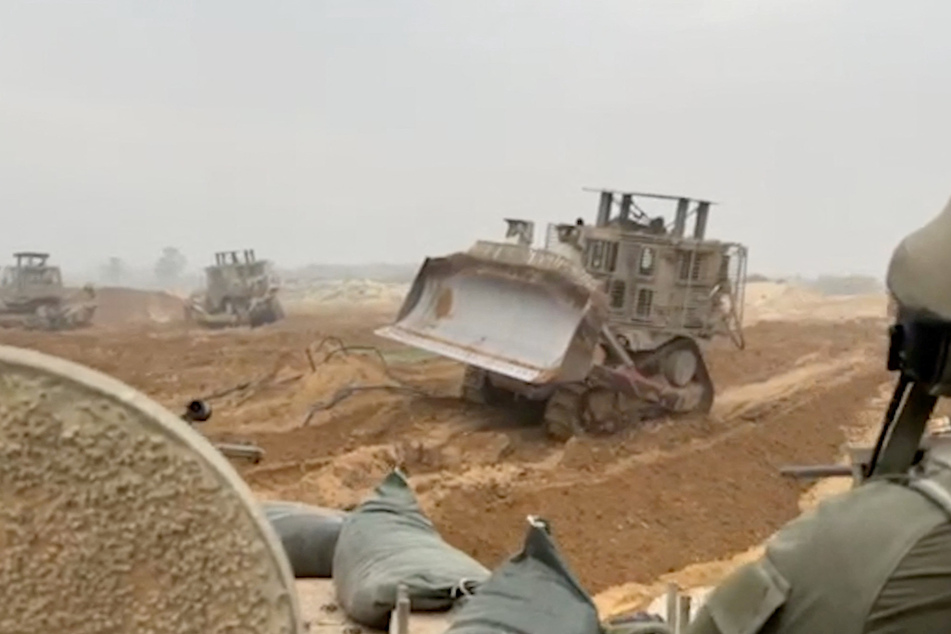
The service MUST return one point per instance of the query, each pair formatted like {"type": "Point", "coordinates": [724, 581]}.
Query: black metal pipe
{"type": "Point", "coordinates": [197, 411]}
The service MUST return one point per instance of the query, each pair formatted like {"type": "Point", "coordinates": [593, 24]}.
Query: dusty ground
{"type": "Point", "coordinates": [629, 509]}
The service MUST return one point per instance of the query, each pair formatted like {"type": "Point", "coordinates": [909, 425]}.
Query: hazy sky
{"type": "Point", "coordinates": [347, 131]}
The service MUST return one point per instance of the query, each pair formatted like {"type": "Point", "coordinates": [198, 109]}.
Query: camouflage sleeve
{"type": "Point", "coordinates": [744, 602]}
{"type": "Point", "coordinates": [703, 623]}
{"type": "Point", "coordinates": [916, 599]}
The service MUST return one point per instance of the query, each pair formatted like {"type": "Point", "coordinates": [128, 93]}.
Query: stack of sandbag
{"type": "Point", "coordinates": [387, 541]}
{"type": "Point", "coordinates": [534, 592]}
{"type": "Point", "coordinates": [308, 533]}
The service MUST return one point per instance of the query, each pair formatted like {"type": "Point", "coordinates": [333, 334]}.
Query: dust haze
{"type": "Point", "coordinates": [348, 133]}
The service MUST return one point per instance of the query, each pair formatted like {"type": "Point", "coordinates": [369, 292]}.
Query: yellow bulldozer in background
{"type": "Point", "coordinates": [240, 290]}
{"type": "Point", "coordinates": [33, 297]}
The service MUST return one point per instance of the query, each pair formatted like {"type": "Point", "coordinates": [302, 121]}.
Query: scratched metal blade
{"type": "Point", "coordinates": [516, 320]}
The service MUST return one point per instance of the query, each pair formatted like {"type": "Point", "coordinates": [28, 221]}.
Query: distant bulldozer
{"type": "Point", "coordinates": [32, 296]}
{"type": "Point", "coordinates": [240, 290]}
{"type": "Point", "coordinates": [597, 330]}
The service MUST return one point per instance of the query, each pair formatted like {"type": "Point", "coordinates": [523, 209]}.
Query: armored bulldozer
{"type": "Point", "coordinates": [240, 290]}
{"type": "Point", "coordinates": [599, 329]}
{"type": "Point", "coordinates": [32, 296]}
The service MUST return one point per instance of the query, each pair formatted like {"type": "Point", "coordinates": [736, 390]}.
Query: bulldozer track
{"type": "Point", "coordinates": [599, 410]}
{"type": "Point", "coordinates": [701, 377]}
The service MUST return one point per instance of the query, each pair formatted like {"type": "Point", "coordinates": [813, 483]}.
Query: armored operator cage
{"type": "Point", "coordinates": [655, 275]}
{"type": "Point", "coordinates": [233, 269]}
{"type": "Point", "coordinates": [236, 264]}
{"type": "Point", "coordinates": [225, 258]}
{"type": "Point", "coordinates": [31, 259]}
{"type": "Point", "coordinates": [31, 269]}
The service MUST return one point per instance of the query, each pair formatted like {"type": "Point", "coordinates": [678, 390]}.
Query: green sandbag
{"type": "Point", "coordinates": [387, 541]}
{"type": "Point", "coordinates": [533, 593]}
{"type": "Point", "coordinates": [308, 534]}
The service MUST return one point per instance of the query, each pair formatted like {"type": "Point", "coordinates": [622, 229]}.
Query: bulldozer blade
{"type": "Point", "coordinates": [516, 317]}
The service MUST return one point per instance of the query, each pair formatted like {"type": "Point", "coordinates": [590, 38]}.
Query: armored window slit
{"type": "Point", "coordinates": [645, 300]}
{"type": "Point", "coordinates": [601, 255]}
{"type": "Point", "coordinates": [691, 266]}
{"type": "Point", "coordinates": [618, 289]}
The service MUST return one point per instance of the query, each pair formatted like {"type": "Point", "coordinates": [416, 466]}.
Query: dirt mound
{"type": "Point", "coordinates": [624, 509]}
{"type": "Point", "coordinates": [692, 490]}
{"type": "Point", "coordinates": [669, 509]}
{"type": "Point", "coordinates": [774, 301]}
{"type": "Point", "coordinates": [301, 400]}
{"type": "Point", "coordinates": [342, 484]}
{"type": "Point", "coordinates": [330, 294]}
{"type": "Point", "coordinates": [698, 579]}
{"type": "Point", "coordinates": [121, 306]}
{"type": "Point", "coordinates": [337, 373]}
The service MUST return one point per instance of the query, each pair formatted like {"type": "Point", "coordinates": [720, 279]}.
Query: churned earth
{"type": "Point", "coordinates": [335, 408]}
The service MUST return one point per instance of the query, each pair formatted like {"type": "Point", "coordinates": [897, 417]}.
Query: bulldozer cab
{"type": "Point", "coordinates": [31, 277]}
{"type": "Point", "coordinates": [239, 265]}
{"type": "Point", "coordinates": [660, 281]}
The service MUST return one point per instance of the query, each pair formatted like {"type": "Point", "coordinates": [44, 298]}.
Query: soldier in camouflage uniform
{"type": "Point", "coordinates": [875, 560]}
